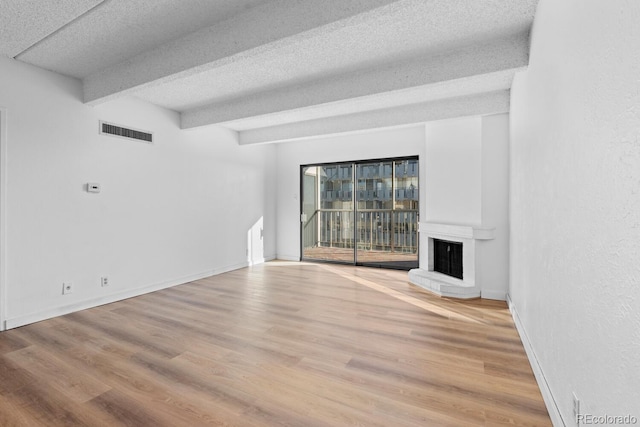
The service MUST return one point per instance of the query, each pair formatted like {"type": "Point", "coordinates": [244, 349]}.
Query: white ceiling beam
{"type": "Point", "coordinates": [480, 104]}
{"type": "Point", "coordinates": [260, 29]}
{"type": "Point", "coordinates": [497, 56]}
{"type": "Point", "coordinates": [492, 82]}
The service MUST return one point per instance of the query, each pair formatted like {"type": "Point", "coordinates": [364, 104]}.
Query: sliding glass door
{"type": "Point", "coordinates": [363, 213]}
{"type": "Point", "coordinates": [327, 213]}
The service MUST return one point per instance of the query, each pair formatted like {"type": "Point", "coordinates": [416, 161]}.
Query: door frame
{"type": "Point", "coordinates": [354, 178]}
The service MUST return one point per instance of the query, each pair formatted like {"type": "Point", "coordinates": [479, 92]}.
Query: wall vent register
{"type": "Point", "coordinates": [128, 133]}
{"type": "Point", "coordinates": [447, 258]}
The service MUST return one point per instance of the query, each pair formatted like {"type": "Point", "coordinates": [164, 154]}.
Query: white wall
{"type": "Point", "coordinates": [453, 171]}
{"type": "Point", "coordinates": [575, 204]}
{"type": "Point", "coordinates": [387, 143]}
{"type": "Point", "coordinates": [168, 212]}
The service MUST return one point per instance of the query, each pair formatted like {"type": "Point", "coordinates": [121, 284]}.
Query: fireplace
{"type": "Point", "coordinates": [447, 258]}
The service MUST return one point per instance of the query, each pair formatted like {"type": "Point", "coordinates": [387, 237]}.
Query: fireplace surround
{"type": "Point", "coordinates": [427, 276]}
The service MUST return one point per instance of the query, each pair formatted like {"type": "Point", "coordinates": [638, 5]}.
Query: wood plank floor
{"type": "Point", "coordinates": [282, 343]}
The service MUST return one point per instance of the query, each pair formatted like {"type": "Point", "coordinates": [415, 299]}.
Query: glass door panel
{"type": "Point", "coordinates": [327, 213]}
{"type": "Point", "coordinates": [405, 212]}
{"type": "Point", "coordinates": [387, 213]}
{"type": "Point", "coordinates": [374, 202]}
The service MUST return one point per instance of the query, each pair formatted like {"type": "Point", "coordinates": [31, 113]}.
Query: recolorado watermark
{"type": "Point", "coordinates": [608, 420]}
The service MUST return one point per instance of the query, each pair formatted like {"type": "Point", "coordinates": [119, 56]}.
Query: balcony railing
{"type": "Point", "coordinates": [375, 230]}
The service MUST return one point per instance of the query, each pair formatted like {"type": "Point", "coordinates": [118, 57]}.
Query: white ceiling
{"type": "Point", "coordinates": [122, 29]}
{"type": "Point", "coordinates": [254, 64]}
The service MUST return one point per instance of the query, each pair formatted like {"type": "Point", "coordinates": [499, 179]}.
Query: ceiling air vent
{"type": "Point", "coordinates": [122, 132]}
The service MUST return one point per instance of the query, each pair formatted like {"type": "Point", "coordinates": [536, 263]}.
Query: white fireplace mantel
{"type": "Point", "coordinates": [441, 284]}
{"type": "Point", "coordinates": [456, 230]}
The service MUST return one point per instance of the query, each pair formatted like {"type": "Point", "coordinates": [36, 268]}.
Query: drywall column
{"type": "Point", "coordinates": [493, 255]}
{"type": "Point", "coordinates": [453, 148]}
{"type": "Point", "coordinates": [466, 184]}
{"type": "Point", "coordinates": [450, 180]}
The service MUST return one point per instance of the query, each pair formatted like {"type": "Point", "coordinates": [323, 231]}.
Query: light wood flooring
{"type": "Point", "coordinates": [283, 343]}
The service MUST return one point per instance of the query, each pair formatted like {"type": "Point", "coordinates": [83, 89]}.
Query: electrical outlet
{"type": "Point", "coordinates": [576, 407]}
{"type": "Point", "coordinates": [104, 281]}
{"type": "Point", "coordinates": [67, 288]}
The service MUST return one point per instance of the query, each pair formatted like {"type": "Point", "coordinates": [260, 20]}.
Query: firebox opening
{"type": "Point", "coordinates": [447, 258]}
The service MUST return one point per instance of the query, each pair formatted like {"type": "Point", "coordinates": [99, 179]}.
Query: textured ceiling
{"type": "Point", "coordinates": [23, 23]}
{"type": "Point", "coordinates": [253, 64]}
{"type": "Point", "coordinates": [393, 33]}
{"type": "Point", "coordinates": [121, 29]}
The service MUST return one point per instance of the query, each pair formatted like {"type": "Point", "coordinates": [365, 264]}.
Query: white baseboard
{"type": "Point", "coordinates": [547, 395]}
{"type": "Point", "coordinates": [283, 257]}
{"type": "Point", "coordinates": [496, 295]}
{"type": "Point", "coordinates": [262, 260]}
{"type": "Point", "coordinates": [107, 299]}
